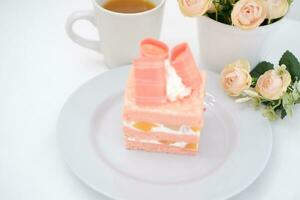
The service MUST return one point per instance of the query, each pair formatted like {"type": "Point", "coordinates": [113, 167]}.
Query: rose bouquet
{"type": "Point", "coordinates": [276, 88]}
{"type": "Point", "coordinates": [245, 14]}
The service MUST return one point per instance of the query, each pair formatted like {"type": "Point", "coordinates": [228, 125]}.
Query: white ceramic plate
{"type": "Point", "coordinates": [235, 146]}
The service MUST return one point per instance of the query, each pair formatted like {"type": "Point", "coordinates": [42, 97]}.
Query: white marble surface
{"type": "Point", "coordinates": [40, 67]}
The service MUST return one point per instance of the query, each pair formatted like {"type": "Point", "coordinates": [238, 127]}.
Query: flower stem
{"type": "Point", "coordinates": [217, 11]}
{"type": "Point", "coordinates": [278, 104]}
{"type": "Point", "coordinates": [269, 21]}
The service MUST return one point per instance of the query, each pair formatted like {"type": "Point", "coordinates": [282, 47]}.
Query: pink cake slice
{"type": "Point", "coordinates": [151, 120]}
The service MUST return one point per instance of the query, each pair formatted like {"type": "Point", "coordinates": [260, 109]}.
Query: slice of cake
{"type": "Point", "coordinates": [163, 109]}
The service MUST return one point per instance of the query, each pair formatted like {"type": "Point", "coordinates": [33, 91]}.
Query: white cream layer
{"type": "Point", "coordinates": [175, 88]}
{"type": "Point", "coordinates": [176, 144]}
{"type": "Point", "coordinates": [183, 130]}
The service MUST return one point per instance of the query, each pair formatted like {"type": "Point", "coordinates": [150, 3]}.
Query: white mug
{"type": "Point", "coordinates": [221, 44]}
{"type": "Point", "coordinates": [119, 33]}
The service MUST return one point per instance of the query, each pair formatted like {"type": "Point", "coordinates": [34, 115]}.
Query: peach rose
{"type": "Point", "coordinates": [235, 77]}
{"type": "Point", "coordinates": [273, 83]}
{"type": "Point", "coordinates": [249, 14]}
{"type": "Point", "coordinates": [193, 8]}
{"type": "Point", "coordinates": [277, 8]}
{"type": "Point", "coordinates": [212, 8]}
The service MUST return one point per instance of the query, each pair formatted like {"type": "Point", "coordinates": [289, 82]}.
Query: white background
{"type": "Point", "coordinates": [40, 67]}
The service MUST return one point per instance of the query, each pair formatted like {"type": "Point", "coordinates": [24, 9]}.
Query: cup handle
{"type": "Point", "coordinates": [82, 15]}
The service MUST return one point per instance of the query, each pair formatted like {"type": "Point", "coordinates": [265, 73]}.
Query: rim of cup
{"type": "Point", "coordinates": [96, 4]}
{"type": "Point", "coordinates": [260, 28]}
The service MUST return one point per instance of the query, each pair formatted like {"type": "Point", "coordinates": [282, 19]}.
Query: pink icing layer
{"type": "Point", "coordinates": [139, 135]}
{"type": "Point", "coordinates": [150, 81]}
{"type": "Point", "coordinates": [152, 48]}
{"type": "Point", "coordinates": [184, 63]}
{"type": "Point", "coordinates": [188, 111]}
{"type": "Point", "coordinates": [158, 148]}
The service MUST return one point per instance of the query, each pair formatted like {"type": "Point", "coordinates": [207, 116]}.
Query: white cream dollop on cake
{"type": "Point", "coordinates": [175, 88]}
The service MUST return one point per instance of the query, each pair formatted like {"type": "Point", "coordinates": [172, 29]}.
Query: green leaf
{"type": "Point", "coordinates": [288, 103]}
{"type": "Point", "coordinates": [292, 65]}
{"type": "Point", "coordinates": [260, 69]}
{"type": "Point", "coordinates": [254, 81]}
{"type": "Point", "coordinates": [290, 2]}
{"type": "Point", "coordinates": [296, 91]}
{"type": "Point", "coordinates": [256, 102]}
{"type": "Point", "coordinates": [283, 113]}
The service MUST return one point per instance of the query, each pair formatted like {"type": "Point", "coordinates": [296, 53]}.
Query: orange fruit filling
{"type": "Point", "coordinates": [191, 146]}
{"type": "Point", "coordinates": [144, 126]}
{"type": "Point", "coordinates": [195, 129]}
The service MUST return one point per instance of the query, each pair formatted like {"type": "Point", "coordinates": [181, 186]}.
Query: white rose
{"type": "Point", "coordinates": [277, 8]}
{"type": "Point", "coordinates": [193, 8]}
{"type": "Point", "coordinates": [235, 77]}
{"type": "Point", "coordinates": [249, 14]}
{"type": "Point", "coordinates": [272, 84]}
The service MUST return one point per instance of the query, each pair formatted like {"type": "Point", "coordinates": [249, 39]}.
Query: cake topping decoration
{"type": "Point", "coordinates": [150, 81]}
{"type": "Point", "coordinates": [175, 88]}
{"type": "Point", "coordinates": [158, 79]}
{"type": "Point", "coordinates": [183, 62]}
{"type": "Point", "coordinates": [152, 48]}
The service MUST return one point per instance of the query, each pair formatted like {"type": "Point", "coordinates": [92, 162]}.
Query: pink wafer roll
{"type": "Point", "coordinates": [152, 48]}
{"type": "Point", "coordinates": [149, 81]}
{"type": "Point", "coordinates": [183, 62]}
